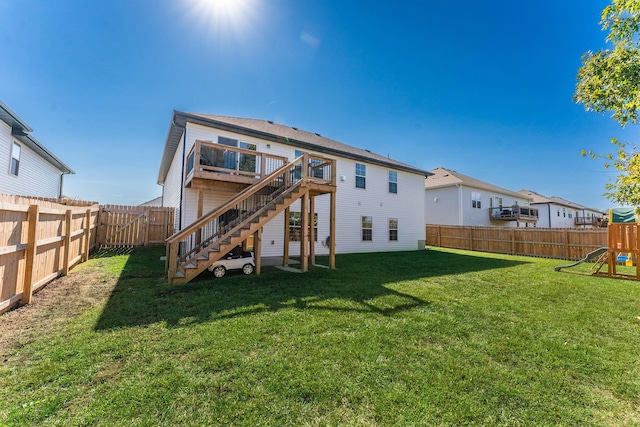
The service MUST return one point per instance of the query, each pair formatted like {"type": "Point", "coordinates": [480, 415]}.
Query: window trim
{"type": "Point", "coordinates": [362, 176]}
{"type": "Point", "coordinates": [17, 160]}
{"type": "Point", "coordinates": [476, 200]}
{"type": "Point", "coordinates": [392, 182]}
{"type": "Point", "coordinates": [391, 229]}
{"type": "Point", "coordinates": [363, 228]}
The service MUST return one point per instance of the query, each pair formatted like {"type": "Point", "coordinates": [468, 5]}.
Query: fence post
{"type": "Point", "coordinates": [67, 242]}
{"type": "Point", "coordinates": [146, 226]}
{"type": "Point", "coordinates": [86, 237]}
{"type": "Point", "coordinates": [471, 235]}
{"type": "Point", "coordinates": [100, 232]}
{"type": "Point", "coordinates": [566, 244]}
{"type": "Point", "coordinates": [513, 241]}
{"type": "Point", "coordinates": [33, 217]}
{"type": "Point", "coordinates": [439, 239]}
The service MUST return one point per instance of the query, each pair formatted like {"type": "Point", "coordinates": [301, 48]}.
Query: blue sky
{"type": "Point", "coordinates": [483, 88]}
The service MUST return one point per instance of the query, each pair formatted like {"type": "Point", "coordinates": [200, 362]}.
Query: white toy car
{"type": "Point", "coordinates": [234, 260]}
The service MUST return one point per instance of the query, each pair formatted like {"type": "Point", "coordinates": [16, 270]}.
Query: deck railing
{"type": "Point", "coordinates": [216, 161]}
{"type": "Point", "coordinates": [194, 240]}
{"type": "Point", "coordinates": [591, 220]}
{"type": "Point", "coordinates": [514, 213]}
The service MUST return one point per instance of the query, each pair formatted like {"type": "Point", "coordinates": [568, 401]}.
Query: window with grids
{"type": "Point", "coordinates": [367, 229]}
{"type": "Point", "coordinates": [15, 159]}
{"type": "Point", "coordinates": [294, 226]}
{"type": "Point", "coordinates": [393, 229]}
{"type": "Point", "coordinates": [476, 200]}
{"type": "Point", "coordinates": [393, 182]}
{"type": "Point", "coordinates": [361, 175]}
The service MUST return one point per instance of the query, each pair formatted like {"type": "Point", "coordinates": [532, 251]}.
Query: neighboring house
{"type": "Point", "coordinates": [361, 201]}
{"type": "Point", "coordinates": [452, 198]}
{"type": "Point", "coordinates": [556, 212]}
{"type": "Point", "coordinates": [30, 169]}
{"type": "Point", "coordinates": [153, 202]}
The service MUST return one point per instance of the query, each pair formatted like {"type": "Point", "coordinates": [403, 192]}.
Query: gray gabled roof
{"type": "Point", "coordinates": [539, 198]}
{"type": "Point", "coordinates": [274, 132]}
{"type": "Point", "coordinates": [20, 130]}
{"type": "Point", "coordinates": [443, 177]}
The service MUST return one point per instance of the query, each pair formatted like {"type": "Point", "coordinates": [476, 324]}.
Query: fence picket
{"type": "Point", "coordinates": [41, 239]}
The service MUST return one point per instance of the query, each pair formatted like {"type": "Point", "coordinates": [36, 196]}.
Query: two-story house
{"type": "Point", "coordinates": [556, 212]}
{"type": "Point", "coordinates": [246, 181]}
{"type": "Point", "coordinates": [452, 198]}
{"type": "Point", "coordinates": [30, 169]}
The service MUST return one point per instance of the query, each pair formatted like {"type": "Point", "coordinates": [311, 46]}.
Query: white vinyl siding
{"type": "Point", "coordinates": [352, 203]}
{"type": "Point", "coordinates": [36, 176]}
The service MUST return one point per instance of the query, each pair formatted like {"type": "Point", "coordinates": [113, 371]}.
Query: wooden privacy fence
{"type": "Point", "coordinates": [561, 243]}
{"type": "Point", "coordinates": [134, 225]}
{"type": "Point", "coordinates": [40, 241]}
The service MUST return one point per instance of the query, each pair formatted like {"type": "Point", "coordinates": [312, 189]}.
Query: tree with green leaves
{"type": "Point", "coordinates": [609, 80]}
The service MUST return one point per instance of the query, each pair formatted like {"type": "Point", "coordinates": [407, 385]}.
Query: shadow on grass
{"type": "Point", "coordinates": [362, 282]}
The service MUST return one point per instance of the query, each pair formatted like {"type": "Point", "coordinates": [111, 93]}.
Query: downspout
{"type": "Point", "coordinates": [60, 188]}
{"type": "Point", "coordinates": [460, 207]}
{"type": "Point", "coordinates": [549, 212]}
{"type": "Point", "coordinates": [184, 148]}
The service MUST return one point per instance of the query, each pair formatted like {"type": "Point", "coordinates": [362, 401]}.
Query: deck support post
{"type": "Point", "coordinates": [199, 215]}
{"type": "Point", "coordinates": [304, 235]}
{"type": "Point", "coordinates": [312, 234]}
{"type": "Point", "coordinates": [285, 246]}
{"type": "Point", "coordinates": [257, 250]}
{"type": "Point", "coordinates": [332, 231]}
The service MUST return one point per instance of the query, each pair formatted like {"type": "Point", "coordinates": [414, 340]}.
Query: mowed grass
{"type": "Point", "coordinates": [436, 337]}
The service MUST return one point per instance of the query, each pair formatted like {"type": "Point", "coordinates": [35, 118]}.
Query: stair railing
{"type": "Point", "coordinates": [183, 246]}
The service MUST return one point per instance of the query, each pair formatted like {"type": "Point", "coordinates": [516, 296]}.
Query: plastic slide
{"type": "Point", "coordinates": [590, 256]}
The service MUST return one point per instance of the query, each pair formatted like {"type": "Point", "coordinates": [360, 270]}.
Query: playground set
{"type": "Point", "coordinates": [623, 247]}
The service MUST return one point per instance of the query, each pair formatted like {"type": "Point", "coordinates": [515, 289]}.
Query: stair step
{"type": "Point", "coordinates": [192, 265]}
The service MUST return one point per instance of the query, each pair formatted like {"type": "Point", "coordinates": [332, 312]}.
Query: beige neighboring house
{"type": "Point", "coordinates": [556, 212]}
{"type": "Point", "coordinates": [452, 198]}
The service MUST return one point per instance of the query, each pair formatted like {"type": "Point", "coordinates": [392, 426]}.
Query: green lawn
{"type": "Point", "coordinates": [436, 337]}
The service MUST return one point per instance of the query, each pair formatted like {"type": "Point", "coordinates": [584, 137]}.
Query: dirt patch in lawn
{"type": "Point", "coordinates": [51, 307]}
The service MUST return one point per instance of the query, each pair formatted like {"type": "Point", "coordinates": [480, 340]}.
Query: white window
{"type": "Point", "coordinates": [393, 229]}
{"type": "Point", "coordinates": [361, 176]}
{"type": "Point", "coordinates": [476, 200]}
{"type": "Point", "coordinates": [15, 159]}
{"type": "Point", "coordinates": [294, 226]}
{"type": "Point", "coordinates": [239, 161]}
{"type": "Point", "coordinates": [393, 182]}
{"type": "Point", "coordinates": [367, 229]}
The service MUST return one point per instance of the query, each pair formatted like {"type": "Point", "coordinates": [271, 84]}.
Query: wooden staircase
{"type": "Point", "coordinates": [196, 247]}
